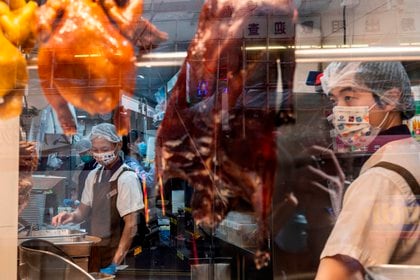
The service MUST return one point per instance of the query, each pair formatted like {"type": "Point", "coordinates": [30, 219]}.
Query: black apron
{"type": "Point", "coordinates": [106, 222]}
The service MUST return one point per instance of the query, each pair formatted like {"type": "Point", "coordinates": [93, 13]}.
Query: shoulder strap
{"type": "Point", "coordinates": [409, 178]}
{"type": "Point", "coordinates": [122, 171]}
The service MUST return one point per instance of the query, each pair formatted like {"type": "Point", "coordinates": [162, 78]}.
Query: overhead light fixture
{"type": "Point", "coordinates": [358, 54]}
{"type": "Point", "coordinates": [162, 63]}
{"type": "Point", "coordinates": [88, 55]}
{"type": "Point", "coordinates": [261, 48]}
{"type": "Point", "coordinates": [161, 55]}
{"type": "Point", "coordinates": [161, 59]}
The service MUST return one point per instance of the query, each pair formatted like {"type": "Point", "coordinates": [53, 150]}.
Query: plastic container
{"type": "Point", "coordinates": [239, 228]}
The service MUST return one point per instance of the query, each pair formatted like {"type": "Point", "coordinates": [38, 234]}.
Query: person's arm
{"type": "Point", "coordinates": [334, 268]}
{"type": "Point", "coordinates": [74, 217]}
{"type": "Point", "coordinates": [129, 231]}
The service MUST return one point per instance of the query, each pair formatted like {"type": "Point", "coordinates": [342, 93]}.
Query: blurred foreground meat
{"type": "Point", "coordinates": [225, 150]}
{"type": "Point", "coordinates": [86, 56]}
{"type": "Point", "coordinates": [15, 34]}
{"type": "Point", "coordinates": [28, 161]}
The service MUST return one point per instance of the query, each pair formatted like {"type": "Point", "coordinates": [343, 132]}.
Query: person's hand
{"type": "Point", "coordinates": [62, 218]}
{"type": "Point", "coordinates": [335, 176]}
{"type": "Point", "coordinates": [110, 269]}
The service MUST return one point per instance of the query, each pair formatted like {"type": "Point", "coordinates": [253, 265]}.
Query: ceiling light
{"type": "Point", "coordinates": [161, 55]}
{"type": "Point", "coordinates": [358, 54]}
{"type": "Point", "coordinates": [150, 64]}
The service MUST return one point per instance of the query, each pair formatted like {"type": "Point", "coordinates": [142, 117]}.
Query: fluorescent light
{"type": "Point", "coordinates": [160, 55]}
{"type": "Point", "coordinates": [259, 48]}
{"type": "Point", "coordinates": [358, 54]}
{"type": "Point", "coordinates": [87, 55]}
{"type": "Point", "coordinates": [160, 59]}
{"type": "Point", "coordinates": [149, 64]}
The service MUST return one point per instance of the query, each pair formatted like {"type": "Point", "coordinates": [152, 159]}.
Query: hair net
{"type": "Point", "coordinates": [106, 131]}
{"type": "Point", "coordinates": [83, 145]}
{"type": "Point", "coordinates": [376, 77]}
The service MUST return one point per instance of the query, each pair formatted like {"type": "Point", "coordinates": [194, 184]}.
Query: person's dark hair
{"type": "Point", "coordinates": [125, 144]}
{"type": "Point", "coordinates": [131, 137]}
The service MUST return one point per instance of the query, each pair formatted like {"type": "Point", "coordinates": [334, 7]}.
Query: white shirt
{"type": "Point", "coordinates": [379, 208]}
{"type": "Point", "coordinates": [130, 196]}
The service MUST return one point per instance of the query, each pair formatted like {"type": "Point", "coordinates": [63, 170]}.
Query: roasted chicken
{"type": "Point", "coordinates": [86, 56]}
{"type": "Point", "coordinates": [214, 137]}
{"type": "Point", "coordinates": [15, 21]}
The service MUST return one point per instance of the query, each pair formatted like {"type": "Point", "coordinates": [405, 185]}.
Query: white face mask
{"type": "Point", "coordinates": [352, 126]}
{"type": "Point", "coordinates": [105, 158]}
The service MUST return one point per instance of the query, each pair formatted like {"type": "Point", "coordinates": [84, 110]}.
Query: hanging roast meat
{"type": "Point", "coordinates": [212, 136]}
{"type": "Point", "coordinates": [15, 33]}
{"type": "Point", "coordinates": [86, 56]}
{"type": "Point", "coordinates": [28, 161]}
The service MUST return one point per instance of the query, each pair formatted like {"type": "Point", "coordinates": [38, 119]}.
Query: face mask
{"type": "Point", "coordinates": [351, 124]}
{"type": "Point", "coordinates": [105, 158]}
{"type": "Point", "coordinates": [142, 148]}
{"type": "Point", "coordinates": [86, 158]}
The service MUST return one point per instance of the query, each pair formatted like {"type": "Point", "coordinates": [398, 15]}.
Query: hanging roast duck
{"type": "Point", "coordinates": [211, 136]}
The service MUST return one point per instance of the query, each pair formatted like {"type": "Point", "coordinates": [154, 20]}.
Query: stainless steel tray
{"type": "Point", "coordinates": [393, 272]}
{"type": "Point", "coordinates": [56, 236]}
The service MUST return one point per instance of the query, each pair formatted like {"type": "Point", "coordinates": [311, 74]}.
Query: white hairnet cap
{"type": "Point", "coordinates": [376, 77]}
{"type": "Point", "coordinates": [83, 145]}
{"type": "Point", "coordinates": [106, 131]}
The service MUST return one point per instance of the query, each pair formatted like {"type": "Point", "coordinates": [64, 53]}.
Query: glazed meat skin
{"type": "Point", "coordinates": [209, 137]}
{"type": "Point", "coordinates": [83, 59]}
{"type": "Point", "coordinates": [86, 55]}
{"type": "Point", "coordinates": [28, 161]}
{"type": "Point", "coordinates": [15, 35]}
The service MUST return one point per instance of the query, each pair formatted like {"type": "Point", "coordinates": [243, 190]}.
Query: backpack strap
{"type": "Point", "coordinates": [408, 177]}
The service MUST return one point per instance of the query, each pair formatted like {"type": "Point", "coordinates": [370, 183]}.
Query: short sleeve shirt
{"type": "Point", "coordinates": [379, 222]}
{"type": "Point", "coordinates": [130, 196]}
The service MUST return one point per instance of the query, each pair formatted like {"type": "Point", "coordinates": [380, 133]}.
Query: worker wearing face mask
{"type": "Point", "coordinates": [112, 199]}
{"type": "Point", "coordinates": [87, 164]}
{"type": "Point", "coordinates": [134, 149]}
{"type": "Point", "coordinates": [380, 217]}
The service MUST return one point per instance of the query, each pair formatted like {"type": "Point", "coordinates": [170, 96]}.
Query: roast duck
{"type": "Point", "coordinates": [212, 136]}
{"type": "Point", "coordinates": [86, 55]}
{"type": "Point", "coordinates": [16, 17]}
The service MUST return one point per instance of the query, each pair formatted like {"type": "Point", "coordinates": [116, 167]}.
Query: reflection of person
{"type": "Point", "coordinates": [112, 197]}
{"type": "Point", "coordinates": [202, 89]}
{"type": "Point", "coordinates": [134, 149]}
{"type": "Point", "coordinates": [88, 163]}
{"type": "Point", "coordinates": [379, 221]}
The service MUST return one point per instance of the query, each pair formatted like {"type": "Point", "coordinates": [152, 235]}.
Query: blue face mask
{"type": "Point", "coordinates": [86, 158]}
{"type": "Point", "coordinates": [142, 148]}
